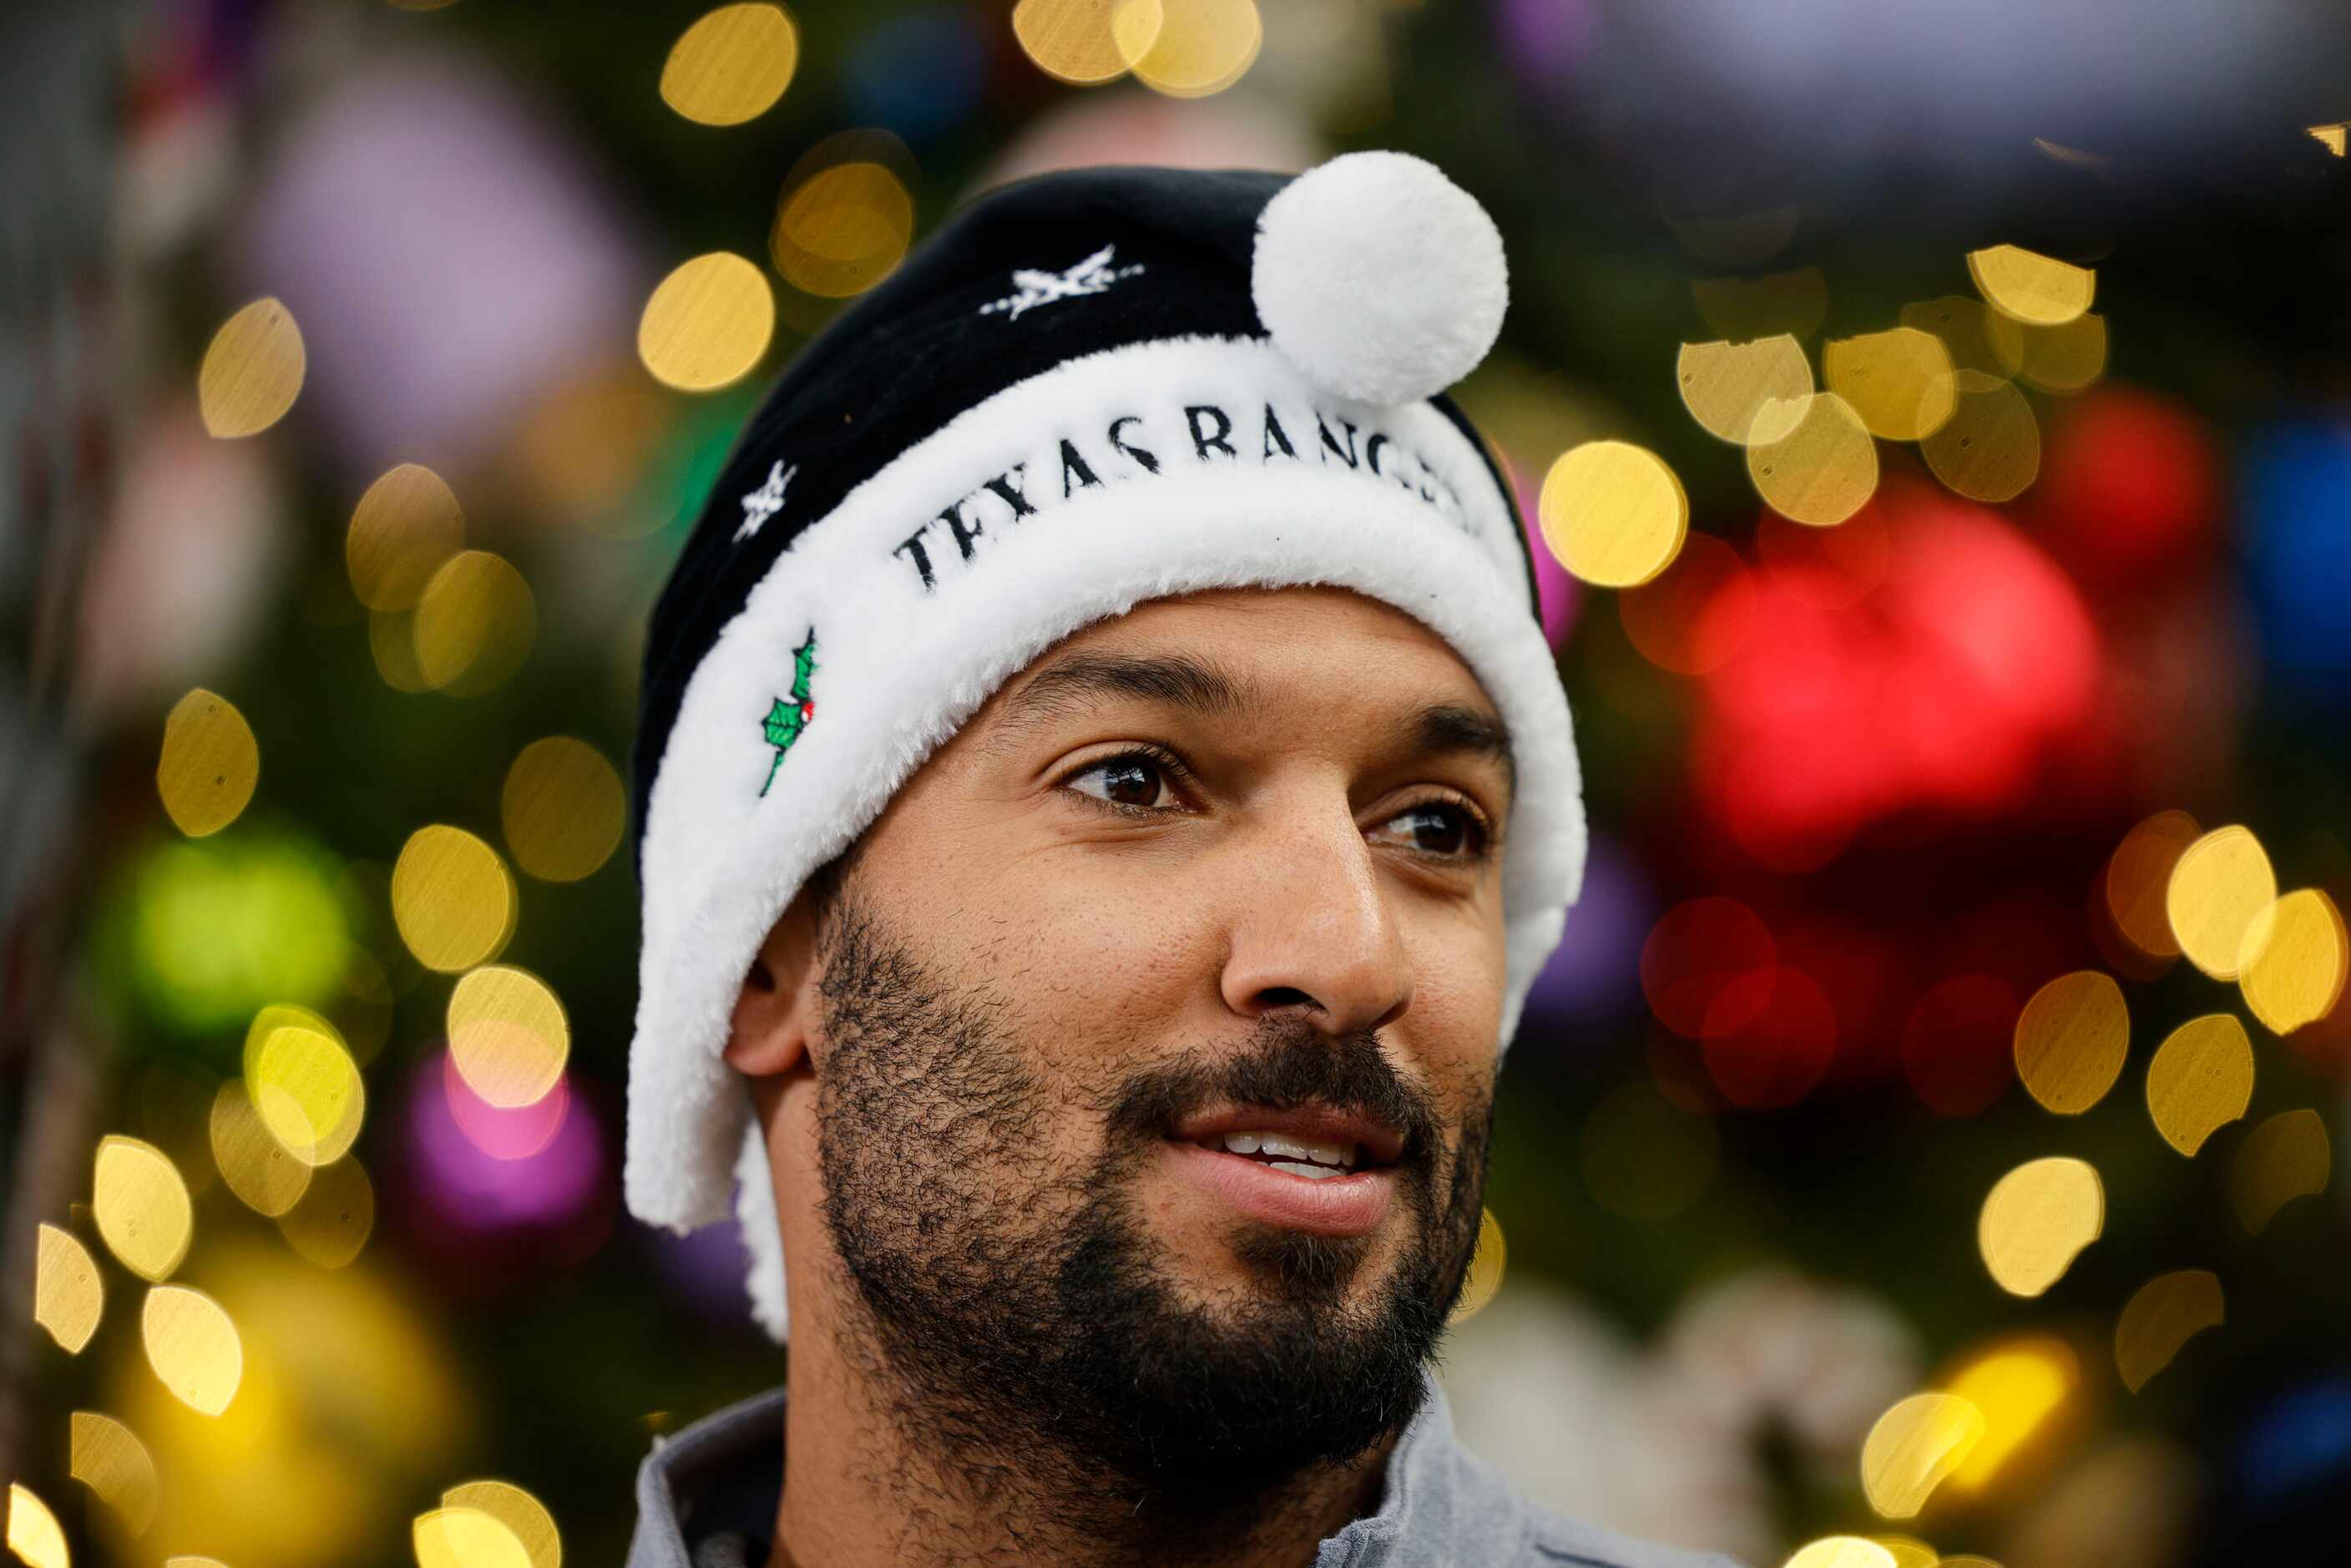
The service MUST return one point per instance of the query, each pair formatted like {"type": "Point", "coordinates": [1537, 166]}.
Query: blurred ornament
{"type": "Point", "coordinates": [1596, 975]}
{"type": "Point", "coordinates": [485, 1171]}
{"type": "Point", "coordinates": [448, 253]}
{"type": "Point", "coordinates": [193, 545]}
{"type": "Point", "coordinates": [917, 73]}
{"type": "Point", "coordinates": [2128, 1506]}
{"type": "Point", "coordinates": [2131, 486]}
{"type": "Point", "coordinates": [2296, 493]}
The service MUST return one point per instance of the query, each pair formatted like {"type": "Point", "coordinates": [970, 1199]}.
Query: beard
{"type": "Point", "coordinates": [1013, 1304]}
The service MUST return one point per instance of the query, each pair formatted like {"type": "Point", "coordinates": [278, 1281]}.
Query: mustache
{"type": "Point", "coordinates": [1285, 1064]}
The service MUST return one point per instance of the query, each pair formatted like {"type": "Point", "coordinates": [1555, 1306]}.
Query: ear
{"type": "Point", "coordinates": [776, 1010]}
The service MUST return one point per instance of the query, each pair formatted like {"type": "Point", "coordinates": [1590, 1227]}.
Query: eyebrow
{"type": "Point", "coordinates": [1195, 685]}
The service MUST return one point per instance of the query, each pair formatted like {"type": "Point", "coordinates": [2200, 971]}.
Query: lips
{"type": "Point", "coordinates": [1352, 1203]}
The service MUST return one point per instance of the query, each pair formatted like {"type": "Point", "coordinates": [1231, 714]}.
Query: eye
{"type": "Point", "coordinates": [1445, 829]}
{"type": "Point", "coordinates": [1133, 781]}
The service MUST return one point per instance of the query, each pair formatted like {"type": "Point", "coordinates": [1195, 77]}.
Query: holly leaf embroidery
{"type": "Point", "coordinates": [787, 717]}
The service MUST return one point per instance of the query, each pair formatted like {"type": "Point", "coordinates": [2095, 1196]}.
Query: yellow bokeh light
{"type": "Point", "coordinates": [474, 623]}
{"type": "Point", "coordinates": [707, 323]}
{"type": "Point", "coordinates": [842, 228]}
{"type": "Point", "coordinates": [330, 1222]}
{"type": "Point", "coordinates": [2032, 288]}
{"type": "Point", "coordinates": [508, 1035]}
{"type": "Point", "coordinates": [68, 1297]}
{"type": "Point", "coordinates": [1486, 1267]}
{"type": "Point", "coordinates": [1201, 47]}
{"type": "Point", "coordinates": [210, 763]}
{"type": "Point", "coordinates": [141, 1205]}
{"type": "Point", "coordinates": [304, 1085]}
{"type": "Point", "coordinates": [1990, 449]}
{"type": "Point", "coordinates": [2201, 1080]}
{"type": "Point", "coordinates": [2071, 1040]}
{"type": "Point", "coordinates": [1908, 1550]}
{"type": "Point", "coordinates": [563, 807]}
{"type": "Point", "coordinates": [1963, 325]}
{"type": "Point", "coordinates": [33, 1533]}
{"type": "Point", "coordinates": [2139, 881]}
{"type": "Point", "coordinates": [392, 639]}
{"type": "Point", "coordinates": [2334, 138]}
{"type": "Point", "coordinates": [518, 1511]}
{"type": "Point", "coordinates": [403, 528]}
{"type": "Point", "coordinates": [2016, 1387]}
{"type": "Point", "coordinates": [252, 1163]}
{"type": "Point", "coordinates": [192, 1347]}
{"type": "Point", "coordinates": [452, 898]}
{"type": "Point", "coordinates": [1087, 42]}
{"type": "Point", "coordinates": [731, 65]}
{"type": "Point", "coordinates": [1898, 381]}
{"type": "Point", "coordinates": [1840, 1552]}
{"type": "Point", "coordinates": [1913, 1446]}
{"type": "Point", "coordinates": [466, 1537]}
{"type": "Point", "coordinates": [1822, 471]}
{"type": "Point", "coordinates": [1745, 393]}
{"type": "Point", "coordinates": [2220, 886]}
{"type": "Point", "coordinates": [2164, 1314]}
{"type": "Point", "coordinates": [2291, 959]}
{"type": "Point", "coordinates": [2036, 1220]}
{"type": "Point", "coordinates": [2055, 359]}
{"type": "Point", "coordinates": [252, 372]}
{"type": "Point", "coordinates": [110, 1461]}
{"type": "Point", "coordinates": [2284, 1158]}
{"type": "Point", "coordinates": [1613, 513]}
{"type": "Point", "coordinates": [1744, 309]}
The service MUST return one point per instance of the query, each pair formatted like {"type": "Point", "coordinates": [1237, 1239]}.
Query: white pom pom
{"type": "Point", "coordinates": [1378, 277]}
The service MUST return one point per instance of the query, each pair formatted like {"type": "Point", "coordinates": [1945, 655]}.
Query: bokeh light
{"type": "Point", "coordinates": [843, 223]}
{"type": "Point", "coordinates": [2220, 886]}
{"type": "Point", "coordinates": [252, 372]}
{"type": "Point", "coordinates": [1913, 1446]}
{"type": "Point", "coordinates": [508, 1035]}
{"type": "Point", "coordinates": [1086, 42]}
{"type": "Point", "coordinates": [474, 623]}
{"type": "Point", "coordinates": [452, 898]}
{"type": "Point", "coordinates": [1487, 1263]}
{"type": "Point", "coordinates": [518, 1511]}
{"type": "Point", "coordinates": [2139, 881]}
{"type": "Point", "coordinates": [2286, 1157]}
{"type": "Point", "coordinates": [2200, 1080]}
{"type": "Point", "coordinates": [2036, 1220]}
{"type": "Point", "coordinates": [193, 1347]}
{"type": "Point", "coordinates": [707, 323]}
{"type": "Point", "coordinates": [731, 65]}
{"type": "Point", "coordinates": [1990, 447]}
{"type": "Point", "coordinates": [68, 1297]}
{"type": "Point", "coordinates": [563, 809]}
{"type": "Point", "coordinates": [405, 526]}
{"type": "Point", "coordinates": [1201, 47]}
{"type": "Point", "coordinates": [2020, 1386]}
{"type": "Point", "coordinates": [2160, 1317]}
{"type": "Point", "coordinates": [264, 1174]}
{"type": "Point", "coordinates": [2291, 961]}
{"type": "Point", "coordinates": [34, 1534]}
{"type": "Point", "coordinates": [466, 1537]}
{"type": "Point", "coordinates": [1898, 382]}
{"type": "Point", "coordinates": [1613, 513]}
{"type": "Point", "coordinates": [107, 1458]}
{"type": "Point", "coordinates": [331, 1220]}
{"type": "Point", "coordinates": [209, 766]}
{"type": "Point", "coordinates": [141, 1205]}
{"type": "Point", "coordinates": [1745, 393]}
{"type": "Point", "coordinates": [2029, 286]}
{"type": "Point", "coordinates": [1822, 470]}
{"type": "Point", "coordinates": [2071, 1042]}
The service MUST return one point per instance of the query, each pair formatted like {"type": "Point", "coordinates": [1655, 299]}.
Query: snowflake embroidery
{"type": "Point", "coordinates": [765, 502]}
{"type": "Point", "coordinates": [1034, 288]}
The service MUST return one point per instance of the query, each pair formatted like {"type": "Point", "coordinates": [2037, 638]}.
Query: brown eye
{"type": "Point", "coordinates": [1439, 828]}
{"type": "Point", "coordinates": [1134, 781]}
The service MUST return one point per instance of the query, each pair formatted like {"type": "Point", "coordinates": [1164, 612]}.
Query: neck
{"type": "Point", "coordinates": [875, 1476]}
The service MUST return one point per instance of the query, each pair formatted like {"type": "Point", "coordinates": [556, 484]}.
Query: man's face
{"type": "Point", "coordinates": [1227, 862]}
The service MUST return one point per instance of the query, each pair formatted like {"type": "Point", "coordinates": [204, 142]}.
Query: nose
{"type": "Point", "coordinates": [1312, 927]}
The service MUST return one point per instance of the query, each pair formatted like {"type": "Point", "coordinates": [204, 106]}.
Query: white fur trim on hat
{"type": "Point", "coordinates": [1379, 277]}
{"type": "Point", "coordinates": [928, 587]}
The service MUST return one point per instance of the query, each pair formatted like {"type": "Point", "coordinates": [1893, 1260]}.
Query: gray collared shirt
{"type": "Point", "coordinates": [706, 1497]}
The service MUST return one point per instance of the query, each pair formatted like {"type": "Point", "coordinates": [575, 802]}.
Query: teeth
{"type": "Point", "coordinates": [1312, 1173]}
{"type": "Point", "coordinates": [1338, 1157]}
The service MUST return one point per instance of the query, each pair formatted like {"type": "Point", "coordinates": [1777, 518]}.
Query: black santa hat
{"type": "Point", "coordinates": [1090, 388]}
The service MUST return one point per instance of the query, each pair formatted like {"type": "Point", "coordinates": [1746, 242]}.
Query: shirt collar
{"type": "Point", "coordinates": [724, 1471]}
